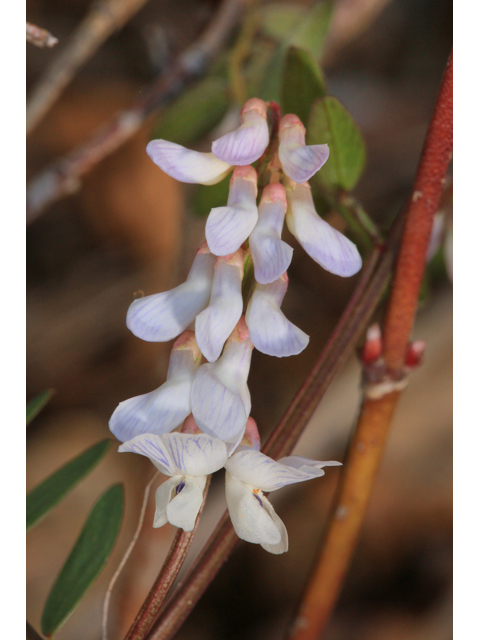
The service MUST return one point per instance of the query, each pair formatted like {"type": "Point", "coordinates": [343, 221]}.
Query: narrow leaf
{"type": "Point", "coordinates": [302, 82]}
{"type": "Point", "coordinates": [86, 560]}
{"type": "Point", "coordinates": [195, 113]}
{"type": "Point", "coordinates": [329, 122]}
{"type": "Point", "coordinates": [44, 497]}
{"type": "Point", "coordinates": [36, 405]}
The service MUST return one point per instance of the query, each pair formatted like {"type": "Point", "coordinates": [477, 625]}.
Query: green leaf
{"type": "Point", "coordinates": [86, 560]}
{"type": "Point", "coordinates": [330, 123]}
{"type": "Point", "coordinates": [195, 113]}
{"type": "Point", "coordinates": [44, 497]}
{"type": "Point", "coordinates": [277, 20]}
{"type": "Point", "coordinates": [208, 197]}
{"type": "Point", "coordinates": [302, 82]}
{"type": "Point", "coordinates": [36, 405]}
{"type": "Point", "coordinates": [309, 34]}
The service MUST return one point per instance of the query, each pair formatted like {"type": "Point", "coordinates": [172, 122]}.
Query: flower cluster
{"type": "Point", "coordinates": [209, 400]}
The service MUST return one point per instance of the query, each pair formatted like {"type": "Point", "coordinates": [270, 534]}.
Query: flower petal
{"type": "Point", "coordinates": [163, 316]}
{"type": "Point", "coordinates": [270, 331]}
{"type": "Point", "coordinates": [215, 323]}
{"type": "Point", "coordinates": [154, 448]}
{"type": "Point", "coordinates": [183, 509]}
{"type": "Point", "coordinates": [163, 495]}
{"type": "Point", "coordinates": [228, 227]}
{"type": "Point", "coordinates": [282, 546]}
{"type": "Point", "coordinates": [327, 246]}
{"type": "Point", "coordinates": [220, 397]}
{"type": "Point", "coordinates": [255, 468]}
{"type": "Point", "coordinates": [164, 409]}
{"type": "Point", "coordinates": [271, 256]}
{"type": "Point", "coordinates": [247, 143]}
{"type": "Point", "coordinates": [251, 521]}
{"type": "Point", "coordinates": [312, 467]}
{"type": "Point", "coordinates": [195, 454]}
{"type": "Point", "coordinates": [186, 165]}
{"type": "Point", "coordinates": [299, 162]}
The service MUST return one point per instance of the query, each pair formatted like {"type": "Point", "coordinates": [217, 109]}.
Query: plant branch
{"type": "Point", "coordinates": [40, 37]}
{"type": "Point", "coordinates": [166, 577]}
{"type": "Point", "coordinates": [104, 17]}
{"type": "Point", "coordinates": [63, 177]}
{"type": "Point", "coordinates": [281, 442]}
{"type": "Point", "coordinates": [384, 379]}
{"type": "Point", "coordinates": [32, 634]}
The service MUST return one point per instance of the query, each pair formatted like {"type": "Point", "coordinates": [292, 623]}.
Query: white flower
{"type": "Point", "coordinates": [215, 323]}
{"type": "Point", "coordinates": [247, 143]}
{"type": "Point", "coordinates": [164, 409]}
{"type": "Point", "coordinates": [299, 161]}
{"type": "Point", "coordinates": [188, 459]}
{"type": "Point", "coordinates": [248, 474]}
{"type": "Point", "coordinates": [327, 246]}
{"type": "Point", "coordinates": [271, 256]}
{"type": "Point", "coordinates": [270, 331]}
{"type": "Point", "coordinates": [163, 316]}
{"type": "Point", "coordinates": [228, 227]}
{"type": "Point", "coordinates": [220, 397]}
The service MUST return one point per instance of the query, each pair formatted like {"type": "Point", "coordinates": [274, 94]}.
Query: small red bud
{"type": "Point", "coordinates": [372, 348]}
{"type": "Point", "coordinates": [414, 355]}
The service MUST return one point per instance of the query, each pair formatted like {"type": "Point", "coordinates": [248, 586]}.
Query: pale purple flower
{"type": "Point", "coordinates": [299, 161]}
{"type": "Point", "coordinates": [327, 246]}
{"type": "Point", "coordinates": [164, 316]}
{"type": "Point", "coordinates": [247, 143]}
{"type": "Point", "coordinates": [248, 474]}
{"type": "Point", "coordinates": [188, 459]}
{"type": "Point", "coordinates": [220, 397]}
{"type": "Point", "coordinates": [270, 331]}
{"type": "Point", "coordinates": [228, 227]}
{"type": "Point", "coordinates": [215, 323]}
{"type": "Point", "coordinates": [271, 256]}
{"type": "Point", "coordinates": [164, 409]}
{"type": "Point", "coordinates": [186, 165]}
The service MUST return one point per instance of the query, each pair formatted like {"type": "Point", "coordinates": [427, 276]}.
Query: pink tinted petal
{"type": "Point", "coordinates": [270, 331]}
{"type": "Point", "coordinates": [299, 161]}
{"type": "Point", "coordinates": [271, 256]}
{"type": "Point", "coordinates": [218, 320]}
{"type": "Point", "coordinates": [164, 409]}
{"type": "Point", "coordinates": [220, 397]}
{"type": "Point", "coordinates": [186, 165]}
{"type": "Point", "coordinates": [247, 143]}
{"type": "Point", "coordinates": [327, 246]}
{"type": "Point", "coordinates": [163, 316]}
{"type": "Point", "coordinates": [228, 227]}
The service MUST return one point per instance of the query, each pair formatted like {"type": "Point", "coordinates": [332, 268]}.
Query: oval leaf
{"type": "Point", "coordinates": [329, 122]}
{"type": "Point", "coordinates": [36, 405]}
{"type": "Point", "coordinates": [207, 198]}
{"type": "Point", "coordinates": [302, 82]}
{"type": "Point", "coordinates": [87, 559]}
{"type": "Point", "coordinates": [195, 113]}
{"type": "Point", "coordinates": [44, 497]}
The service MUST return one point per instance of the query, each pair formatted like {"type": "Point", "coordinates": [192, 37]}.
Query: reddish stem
{"type": "Point", "coordinates": [423, 205]}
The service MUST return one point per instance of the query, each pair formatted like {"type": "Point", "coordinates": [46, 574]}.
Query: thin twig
{"type": "Point", "coordinates": [63, 176]}
{"type": "Point", "coordinates": [32, 634]}
{"type": "Point", "coordinates": [104, 17]}
{"type": "Point", "coordinates": [166, 577]}
{"type": "Point", "coordinates": [40, 37]}
{"type": "Point", "coordinates": [281, 442]}
{"type": "Point", "coordinates": [384, 385]}
{"type": "Point", "coordinates": [123, 561]}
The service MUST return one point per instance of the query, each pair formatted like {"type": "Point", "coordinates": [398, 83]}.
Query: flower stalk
{"type": "Point", "coordinates": [382, 391]}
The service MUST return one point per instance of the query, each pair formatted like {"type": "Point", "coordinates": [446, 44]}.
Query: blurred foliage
{"type": "Point", "coordinates": [209, 197]}
{"type": "Point", "coordinates": [36, 405]}
{"type": "Point", "coordinates": [49, 493]}
{"type": "Point", "coordinates": [86, 559]}
{"type": "Point", "coordinates": [302, 82]}
{"type": "Point", "coordinates": [330, 123]}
